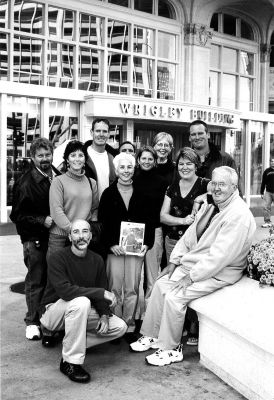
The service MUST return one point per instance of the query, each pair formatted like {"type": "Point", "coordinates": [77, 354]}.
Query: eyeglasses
{"type": "Point", "coordinates": [220, 184]}
{"type": "Point", "coordinates": [164, 145]}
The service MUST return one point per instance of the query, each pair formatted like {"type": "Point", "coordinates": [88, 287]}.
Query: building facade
{"type": "Point", "coordinates": [147, 66]}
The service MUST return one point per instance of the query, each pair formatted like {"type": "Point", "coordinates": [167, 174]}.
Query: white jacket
{"type": "Point", "coordinates": [222, 250]}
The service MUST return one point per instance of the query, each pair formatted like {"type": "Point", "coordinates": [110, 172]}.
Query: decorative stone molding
{"type": "Point", "coordinates": [197, 34]}
{"type": "Point", "coordinates": [265, 50]}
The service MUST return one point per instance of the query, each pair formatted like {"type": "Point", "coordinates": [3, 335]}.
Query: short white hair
{"type": "Point", "coordinates": [123, 156]}
{"type": "Point", "coordinates": [228, 171]}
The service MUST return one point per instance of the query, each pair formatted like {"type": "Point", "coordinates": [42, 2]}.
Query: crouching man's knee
{"type": "Point", "coordinates": [117, 327]}
{"type": "Point", "coordinates": [79, 305]}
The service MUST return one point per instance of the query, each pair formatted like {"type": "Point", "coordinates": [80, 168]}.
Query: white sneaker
{"type": "Point", "coordinates": [166, 357]}
{"type": "Point", "coordinates": [267, 225]}
{"type": "Point", "coordinates": [33, 332]}
{"type": "Point", "coordinates": [144, 343]}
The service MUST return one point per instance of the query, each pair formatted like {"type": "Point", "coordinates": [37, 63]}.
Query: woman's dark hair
{"type": "Point", "coordinates": [72, 146]}
{"type": "Point", "coordinates": [127, 142]}
{"type": "Point", "coordinates": [187, 152]}
{"type": "Point", "coordinates": [150, 150]}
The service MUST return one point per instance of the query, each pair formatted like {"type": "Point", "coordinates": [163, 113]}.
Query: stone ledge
{"type": "Point", "coordinates": [236, 339]}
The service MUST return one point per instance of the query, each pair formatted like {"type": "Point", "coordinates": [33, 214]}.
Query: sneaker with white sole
{"type": "Point", "coordinates": [166, 357]}
{"type": "Point", "coordinates": [144, 343]}
{"type": "Point", "coordinates": [267, 225]}
{"type": "Point", "coordinates": [33, 332]}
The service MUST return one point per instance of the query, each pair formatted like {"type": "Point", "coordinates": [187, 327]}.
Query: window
{"type": "Point", "coordinates": [113, 56]}
{"type": "Point", "coordinates": [231, 25]}
{"type": "Point", "coordinates": [232, 68]}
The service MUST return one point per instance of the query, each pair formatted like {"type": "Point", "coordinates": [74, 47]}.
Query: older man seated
{"type": "Point", "coordinates": [76, 300]}
{"type": "Point", "coordinates": [211, 254]}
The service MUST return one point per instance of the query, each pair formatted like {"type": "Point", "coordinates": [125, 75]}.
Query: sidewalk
{"type": "Point", "coordinates": [30, 371]}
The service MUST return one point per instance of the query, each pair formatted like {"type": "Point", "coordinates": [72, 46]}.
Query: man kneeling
{"type": "Point", "coordinates": [211, 254]}
{"type": "Point", "coordinates": [75, 300]}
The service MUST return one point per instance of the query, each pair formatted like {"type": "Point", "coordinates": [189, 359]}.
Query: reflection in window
{"type": "Point", "coordinates": [117, 73]}
{"type": "Point", "coordinates": [142, 77]}
{"type": "Point", "coordinates": [90, 30]}
{"type": "Point", "coordinates": [22, 129]}
{"type": "Point", "coordinates": [229, 59]}
{"type": "Point", "coordinates": [166, 46]}
{"type": "Point", "coordinates": [213, 88]}
{"type": "Point", "coordinates": [246, 94]}
{"type": "Point", "coordinates": [166, 10]}
{"type": "Point", "coordinates": [143, 40]}
{"type": "Point", "coordinates": [214, 22]}
{"type": "Point", "coordinates": [246, 31]}
{"type": "Point", "coordinates": [27, 60]}
{"type": "Point", "coordinates": [4, 16]}
{"type": "Point", "coordinates": [60, 65]}
{"type": "Point", "coordinates": [123, 3]}
{"type": "Point", "coordinates": [60, 23]}
{"type": "Point", "coordinates": [28, 16]}
{"type": "Point", "coordinates": [215, 56]}
{"type": "Point", "coordinates": [271, 141]}
{"type": "Point", "coordinates": [256, 129]}
{"type": "Point", "coordinates": [229, 91]}
{"type": "Point", "coordinates": [90, 69]}
{"type": "Point", "coordinates": [246, 63]}
{"type": "Point", "coordinates": [165, 81]}
{"type": "Point", "coordinates": [229, 25]}
{"type": "Point", "coordinates": [235, 147]}
{"type": "Point", "coordinates": [3, 56]}
{"type": "Point", "coordinates": [117, 35]}
{"type": "Point", "coordinates": [143, 5]}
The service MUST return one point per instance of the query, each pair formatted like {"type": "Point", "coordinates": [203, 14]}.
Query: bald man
{"type": "Point", "coordinates": [75, 300]}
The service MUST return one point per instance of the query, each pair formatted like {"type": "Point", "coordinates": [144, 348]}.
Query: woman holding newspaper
{"type": "Point", "coordinates": [120, 211]}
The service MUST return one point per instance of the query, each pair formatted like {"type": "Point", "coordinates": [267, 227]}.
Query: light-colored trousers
{"type": "Point", "coordinates": [165, 314]}
{"type": "Point", "coordinates": [268, 200]}
{"type": "Point", "coordinates": [152, 263]}
{"type": "Point", "coordinates": [124, 275]}
{"type": "Point", "coordinates": [79, 319]}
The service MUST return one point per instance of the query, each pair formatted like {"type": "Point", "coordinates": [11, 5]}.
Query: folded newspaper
{"type": "Point", "coordinates": [132, 237]}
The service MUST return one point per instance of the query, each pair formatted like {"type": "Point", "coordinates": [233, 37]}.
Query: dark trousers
{"type": "Point", "coordinates": [36, 278]}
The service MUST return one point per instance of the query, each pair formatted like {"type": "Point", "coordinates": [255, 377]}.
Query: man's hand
{"type": "Point", "coordinates": [111, 298]}
{"type": "Point", "coordinates": [102, 326]}
{"type": "Point", "coordinates": [48, 222]}
{"type": "Point", "coordinates": [182, 283]}
{"type": "Point", "coordinates": [117, 250]}
{"type": "Point", "coordinates": [169, 269]}
{"type": "Point", "coordinates": [189, 219]}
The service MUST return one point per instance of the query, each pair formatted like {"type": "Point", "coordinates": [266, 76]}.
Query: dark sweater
{"type": "Point", "coordinates": [167, 171]}
{"type": "Point", "coordinates": [153, 187]}
{"type": "Point", "coordinates": [112, 211]}
{"type": "Point", "coordinates": [268, 181]}
{"type": "Point", "coordinates": [70, 276]}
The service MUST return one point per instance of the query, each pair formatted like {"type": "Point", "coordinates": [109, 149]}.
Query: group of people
{"type": "Point", "coordinates": [193, 216]}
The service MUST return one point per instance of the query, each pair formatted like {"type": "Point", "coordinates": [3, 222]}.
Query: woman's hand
{"type": "Point", "coordinates": [143, 251]}
{"type": "Point", "coordinates": [117, 250]}
{"type": "Point", "coordinates": [189, 219]}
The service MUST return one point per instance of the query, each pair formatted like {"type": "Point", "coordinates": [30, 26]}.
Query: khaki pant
{"type": "Point", "coordinates": [165, 314]}
{"type": "Point", "coordinates": [124, 275]}
{"type": "Point", "coordinates": [79, 320]}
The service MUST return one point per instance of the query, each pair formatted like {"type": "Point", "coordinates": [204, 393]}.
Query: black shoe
{"type": "Point", "coordinates": [75, 372]}
{"type": "Point", "coordinates": [48, 341]}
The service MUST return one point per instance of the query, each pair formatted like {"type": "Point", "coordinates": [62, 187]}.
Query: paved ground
{"type": "Point", "coordinates": [31, 372]}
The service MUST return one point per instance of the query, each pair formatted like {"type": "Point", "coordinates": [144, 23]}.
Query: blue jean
{"type": "Point", "coordinates": [36, 278]}
{"type": "Point", "coordinates": [56, 242]}
{"type": "Point", "coordinates": [268, 200]}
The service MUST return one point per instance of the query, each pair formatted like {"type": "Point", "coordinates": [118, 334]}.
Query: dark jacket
{"type": "Point", "coordinates": [90, 169]}
{"type": "Point", "coordinates": [214, 159]}
{"type": "Point", "coordinates": [268, 181]}
{"type": "Point", "coordinates": [112, 211]}
{"type": "Point", "coordinates": [30, 205]}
